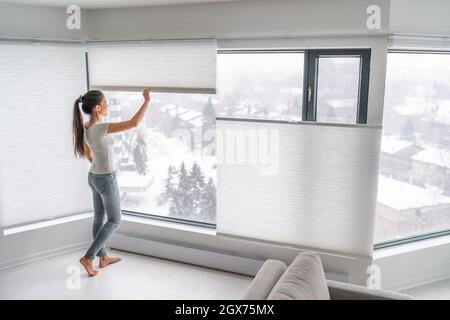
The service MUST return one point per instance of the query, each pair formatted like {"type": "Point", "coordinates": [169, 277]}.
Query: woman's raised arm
{"type": "Point", "coordinates": [134, 121]}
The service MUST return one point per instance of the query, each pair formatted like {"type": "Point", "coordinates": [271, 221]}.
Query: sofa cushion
{"type": "Point", "coordinates": [304, 279]}
{"type": "Point", "coordinates": [265, 279]}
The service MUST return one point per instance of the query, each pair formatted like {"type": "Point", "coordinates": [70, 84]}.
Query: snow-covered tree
{"type": "Point", "coordinates": [140, 155]}
{"type": "Point", "coordinates": [181, 204]}
{"type": "Point", "coordinates": [169, 184]}
{"type": "Point", "coordinates": [191, 198]}
{"type": "Point", "coordinates": [198, 184]}
{"type": "Point", "coordinates": [208, 202]}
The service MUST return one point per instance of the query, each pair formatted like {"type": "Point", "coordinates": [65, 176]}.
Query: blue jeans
{"type": "Point", "coordinates": [106, 200]}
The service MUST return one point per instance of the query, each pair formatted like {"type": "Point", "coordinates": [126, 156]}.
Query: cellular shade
{"type": "Point", "coordinates": [318, 192]}
{"type": "Point", "coordinates": [166, 66]}
{"type": "Point", "coordinates": [40, 178]}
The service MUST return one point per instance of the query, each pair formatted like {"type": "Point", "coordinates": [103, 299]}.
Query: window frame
{"type": "Point", "coordinates": [311, 80]}
{"type": "Point", "coordinates": [309, 109]}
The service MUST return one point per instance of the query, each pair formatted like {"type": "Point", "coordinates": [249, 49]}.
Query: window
{"type": "Point", "coordinates": [337, 86]}
{"type": "Point", "coordinates": [260, 85]}
{"type": "Point", "coordinates": [168, 166]}
{"type": "Point", "coordinates": [270, 85]}
{"type": "Point", "coordinates": [165, 167]}
{"type": "Point", "coordinates": [414, 181]}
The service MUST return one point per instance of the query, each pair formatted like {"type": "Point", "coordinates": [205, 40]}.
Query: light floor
{"type": "Point", "coordinates": [135, 277]}
{"type": "Point", "coordinates": [140, 277]}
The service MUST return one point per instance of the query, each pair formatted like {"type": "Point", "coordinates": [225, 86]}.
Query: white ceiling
{"type": "Point", "coordinates": [96, 4]}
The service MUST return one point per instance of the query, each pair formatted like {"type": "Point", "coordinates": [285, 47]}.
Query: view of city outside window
{"type": "Point", "coordinates": [164, 166]}
{"type": "Point", "coordinates": [260, 85]}
{"type": "Point", "coordinates": [337, 89]}
{"type": "Point", "coordinates": [414, 180]}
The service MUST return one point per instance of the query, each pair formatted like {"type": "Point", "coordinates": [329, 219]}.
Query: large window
{"type": "Point", "coordinates": [167, 166]}
{"type": "Point", "coordinates": [414, 181]}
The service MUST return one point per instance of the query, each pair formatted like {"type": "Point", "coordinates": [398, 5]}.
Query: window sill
{"type": "Point", "coordinates": [141, 220]}
{"type": "Point", "coordinates": [411, 247]}
{"type": "Point", "coordinates": [46, 223]}
{"type": "Point", "coordinates": [168, 224]}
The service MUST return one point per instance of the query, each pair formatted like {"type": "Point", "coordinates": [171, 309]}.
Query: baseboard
{"type": "Point", "coordinates": [176, 252]}
{"type": "Point", "coordinates": [44, 254]}
{"type": "Point", "coordinates": [211, 259]}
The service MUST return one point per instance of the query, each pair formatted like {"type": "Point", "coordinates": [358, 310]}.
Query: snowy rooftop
{"type": "Point", "coordinates": [185, 114]}
{"type": "Point", "coordinates": [403, 196]}
{"type": "Point", "coordinates": [188, 115]}
{"type": "Point", "coordinates": [438, 157]}
{"type": "Point", "coordinates": [393, 144]}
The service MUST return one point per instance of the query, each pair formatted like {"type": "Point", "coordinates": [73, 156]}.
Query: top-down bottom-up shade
{"type": "Point", "coordinates": [40, 178]}
{"type": "Point", "coordinates": [163, 65]}
{"type": "Point", "coordinates": [311, 185]}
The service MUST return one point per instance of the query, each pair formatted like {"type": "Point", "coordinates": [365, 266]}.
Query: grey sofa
{"type": "Point", "coordinates": [305, 279]}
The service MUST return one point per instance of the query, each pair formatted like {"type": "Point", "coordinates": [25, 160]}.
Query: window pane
{"type": "Point", "coordinates": [260, 85]}
{"type": "Point", "coordinates": [337, 89]}
{"type": "Point", "coordinates": [414, 183]}
{"type": "Point", "coordinates": [162, 169]}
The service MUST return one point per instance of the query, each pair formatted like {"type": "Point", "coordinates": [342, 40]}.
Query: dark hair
{"type": "Point", "coordinates": [88, 101]}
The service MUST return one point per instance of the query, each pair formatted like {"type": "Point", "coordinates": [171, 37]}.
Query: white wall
{"type": "Point", "coordinates": [263, 18]}
{"type": "Point", "coordinates": [420, 17]}
{"type": "Point", "coordinates": [250, 18]}
{"type": "Point", "coordinates": [24, 21]}
{"type": "Point", "coordinates": [34, 244]}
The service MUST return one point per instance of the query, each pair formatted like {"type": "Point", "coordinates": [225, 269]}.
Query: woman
{"type": "Point", "coordinates": [91, 141]}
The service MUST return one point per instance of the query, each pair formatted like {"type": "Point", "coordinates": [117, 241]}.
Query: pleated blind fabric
{"type": "Point", "coordinates": [316, 187]}
{"type": "Point", "coordinates": [40, 178]}
{"type": "Point", "coordinates": [165, 65]}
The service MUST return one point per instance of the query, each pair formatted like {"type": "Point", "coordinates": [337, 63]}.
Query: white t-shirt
{"type": "Point", "coordinates": [100, 143]}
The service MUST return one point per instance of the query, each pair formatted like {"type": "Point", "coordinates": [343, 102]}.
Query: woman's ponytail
{"type": "Point", "coordinates": [89, 100]}
{"type": "Point", "coordinates": [77, 130]}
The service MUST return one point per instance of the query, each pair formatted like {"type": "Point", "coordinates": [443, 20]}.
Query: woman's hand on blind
{"type": "Point", "coordinates": [146, 94]}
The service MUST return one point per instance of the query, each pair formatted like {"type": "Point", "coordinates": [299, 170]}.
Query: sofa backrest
{"type": "Point", "coordinates": [265, 279]}
{"type": "Point", "coordinates": [304, 279]}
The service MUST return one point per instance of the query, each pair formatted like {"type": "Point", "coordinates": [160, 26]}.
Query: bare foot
{"type": "Point", "coordinates": [105, 260]}
{"type": "Point", "coordinates": [87, 264]}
